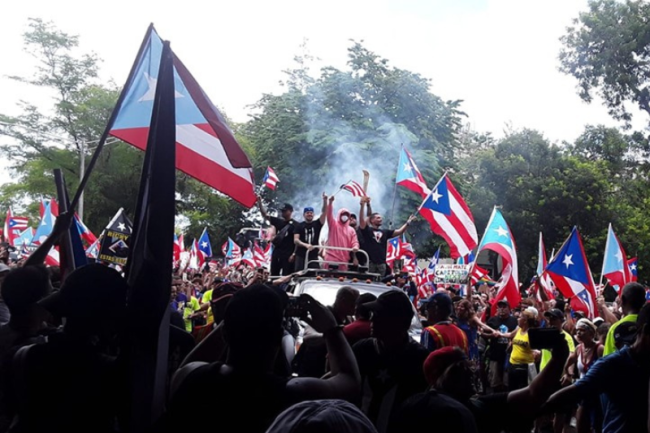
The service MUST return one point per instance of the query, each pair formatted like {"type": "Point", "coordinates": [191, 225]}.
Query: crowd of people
{"type": "Point", "coordinates": [247, 356]}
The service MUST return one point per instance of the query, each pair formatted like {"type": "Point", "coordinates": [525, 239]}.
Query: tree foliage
{"type": "Point", "coordinates": [325, 126]}
{"type": "Point", "coordinates": [607, 49]}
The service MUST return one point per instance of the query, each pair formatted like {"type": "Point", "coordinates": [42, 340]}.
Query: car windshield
{"type": "Point", "coordinates": [325, 293]}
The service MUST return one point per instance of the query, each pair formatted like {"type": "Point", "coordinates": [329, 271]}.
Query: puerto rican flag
{"type": "Point", "coordinates": [478, 274]}
{"type": "Point", "coordinates": [571, 275]}
{"type": "Point", "coordinates": [409, 176]}
{"type": "Point", "coordinates": [259, 255]}
{"type": "Point", "coordinates": [248, 258]}
{"type": "Point", "coordinates": [13, 226]}
{"type": "Point", "coordinates": [45, 226]}
{"type": "Point", "coordinates": [84, 232]}
{"type": "Point", "coordinates": [544, 280]}
{"type": "Point", "coordinates": [205, 147]}
{"type": "Point", "coordinates": [354, 188]}
{"type": "Point", "coordinates": [498, 238]}
{"type": "Point", "coordinates": [93, 250]}
{"type": "Point", "coordinates": [270, 178]}
{"type": "Point", "coordinates": [632, 265]}
{"type": "Point", "coordinates": [393, 250]}
{"type": "Point", "coordinates": [205, 246]}
{"type": "Point", "coordinates": [231, 250]}
{"type": "Point", "coordinates": [197, 260]}
{"type": "Point", "coordinates": [431, 268]}
{"type": "Point", "coordinates": [615, 268]}
{"type": "Point", "coordinates": [54, 207]}
{"type": "Point", "coordinates": [449, 217]}
{"type": "Point", "coordinates": [177, 249]}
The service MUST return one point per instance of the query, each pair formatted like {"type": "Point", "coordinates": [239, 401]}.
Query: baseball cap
{"type": "Point", "coordinates": [554, 313]}
{"type": "Point", "coordinates": [438, 361]}
{"type": "Point", "coordinates": [598, 321]}
{"type": "Point", "coordinates": [322, 416]}
{"type": "Point", "coordinates": [307, 209]}
{"type": "Point", "coordinates": [352, 215]}
{"type": "Point", "coordinates": [440, 300]}
{"type": "Point", "coordinates": [90, 292]}
{"type": "Point", "coordinates": [503, 303]}
{"type": "Point", "coordinates": [393, 303]}
{"type": "Point", "coordinates": [287, 206]}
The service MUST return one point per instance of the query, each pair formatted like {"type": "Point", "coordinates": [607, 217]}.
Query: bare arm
{"type": "Point", "coordinates": [345, 381]}
{"type": "Point", "coordinates": [605, 313]}
{"type": "Point", "coordinates": [265, 215]}
{"type": "Point", "coordinates": [60, 226]}
{"type": "Point", "coordinates": [363, 221]}
{"type": "Point", "coordinates": [402, 229]}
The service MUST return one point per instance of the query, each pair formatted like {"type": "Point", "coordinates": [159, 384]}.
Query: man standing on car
{"type": "Point", "coordinates": [375, 239]}
{"type": "Point", "coordinates": [306, 236]}
{"type": "Point", "coordinates": [283, 256]}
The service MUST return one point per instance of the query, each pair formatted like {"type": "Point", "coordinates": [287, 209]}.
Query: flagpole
{"type": "Point", "coordinates": [340, 188]}
{"type": "Point", "coordinates": [609, 228]}
{"type": "Point", "coordinates": [109, 125]}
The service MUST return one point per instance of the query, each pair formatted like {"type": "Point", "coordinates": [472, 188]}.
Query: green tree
{"type": "Point", "coordinates": [607, 50]}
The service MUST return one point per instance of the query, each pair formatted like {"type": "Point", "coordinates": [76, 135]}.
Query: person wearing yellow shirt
{"type": "Point", "coordinates": [555, 319]}
{"type": "Point", "coordinates": [522, 355]}
{"type": "Point", "coordinates": [632, 300]}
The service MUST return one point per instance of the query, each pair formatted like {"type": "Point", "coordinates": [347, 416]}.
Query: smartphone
{"type": "Point", "coordinates": [295, 308]}
{"type": "Point", "coordinates": [544, 338]}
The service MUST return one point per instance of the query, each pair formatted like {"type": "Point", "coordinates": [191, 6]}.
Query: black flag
{"type": "Point", "coordinates": [116, 240]}
{"type": "Point", "coordinates": [149, 269]}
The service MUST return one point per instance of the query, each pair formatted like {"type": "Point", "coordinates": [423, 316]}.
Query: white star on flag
{"type": "Point", "coordinates": [407, 167]}
{"type": "Point", "coordinates": [121, 226]}
{"type": "Point", "coordinates": [204, 244]}
{"type": "Point", "coordinates": [633, 267]}
{"type": "Point", "coordinates": [151, 91]}
{"type": "Point", "coordinates": [567, 260]}
{"type": "Point", "coordinates": [619, 256]}
{"type": "Point", "coordinates": [501, 231]}
{"type": "Point", "coordinates": [435, 196]}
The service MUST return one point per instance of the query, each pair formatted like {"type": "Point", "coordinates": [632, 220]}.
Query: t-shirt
{"type": "Point", "coordinates": [190, 308]}
{"type": "Point", "coordinates": [388, 379]}
{"type": "Point", "coordinates": [546, 354]}
{"type": "Point", "coordinates": [286, 245]}
{"type": "Point", "coordinates": [375, 242]}
{"type": "Point", "coordinates": [433, 411]}
{"type": "Point", "coordinates": [207, 297]}
{"type": "Point", "coordinates": [521, 351]}
{"type": "Point", "coordinates": [357, 331]}
{"type": "Point", "coordinates": [610, 344]}
{"type": "Point", "coordinates": [442, 335]}
{"type": "Point", "coordinates": [498, 346]}
{"type": "Point", "coordinates": [623, 384]}
{"type": "Point", "coordinates": [309, 233]}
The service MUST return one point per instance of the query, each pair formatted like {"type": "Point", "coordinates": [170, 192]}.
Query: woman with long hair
{"type": "Point", "coordinates": [522, 356]}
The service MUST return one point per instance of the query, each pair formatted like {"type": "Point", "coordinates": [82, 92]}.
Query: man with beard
{"type": "Point", "coordinates": [376, 239]}
{"type": "Point", "coordinates": [306, 236]}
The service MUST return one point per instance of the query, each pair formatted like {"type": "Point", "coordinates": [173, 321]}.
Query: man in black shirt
{"type": "Point", "coordinates": [283, 257]}
{"type": "Point", "coordinates": [390, 362]}
{"type": "Point", "coordinates": [375, 239]}
{"type": "Point", "coordinates": [306, 236]}
{"type": "Point", "coordinates": [503, 322]}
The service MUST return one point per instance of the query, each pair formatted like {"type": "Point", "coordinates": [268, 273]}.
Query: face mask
{"type": "Point", "coordinates": [344, 218]}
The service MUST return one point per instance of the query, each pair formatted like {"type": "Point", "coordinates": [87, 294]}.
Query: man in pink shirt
{"type": "Point", "coordinates": [340, 235]}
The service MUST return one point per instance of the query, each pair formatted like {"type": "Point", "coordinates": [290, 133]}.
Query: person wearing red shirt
{"type": "Point", "coordinates": [442, 332]}
{"type": "Point", "coordinates": [360, 328]}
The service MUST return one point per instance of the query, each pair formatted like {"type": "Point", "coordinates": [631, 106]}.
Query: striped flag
{"type": "Point", "coordinates": [354, 188]}
{"type": "Point", "coordinates": [479, 274]}
{"type": "Point", "coordinates": [205, 146]}
{"type": "Point", "coordinates": [270, 178]}
{"type": "Point", "coordinates": [449, 217]}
